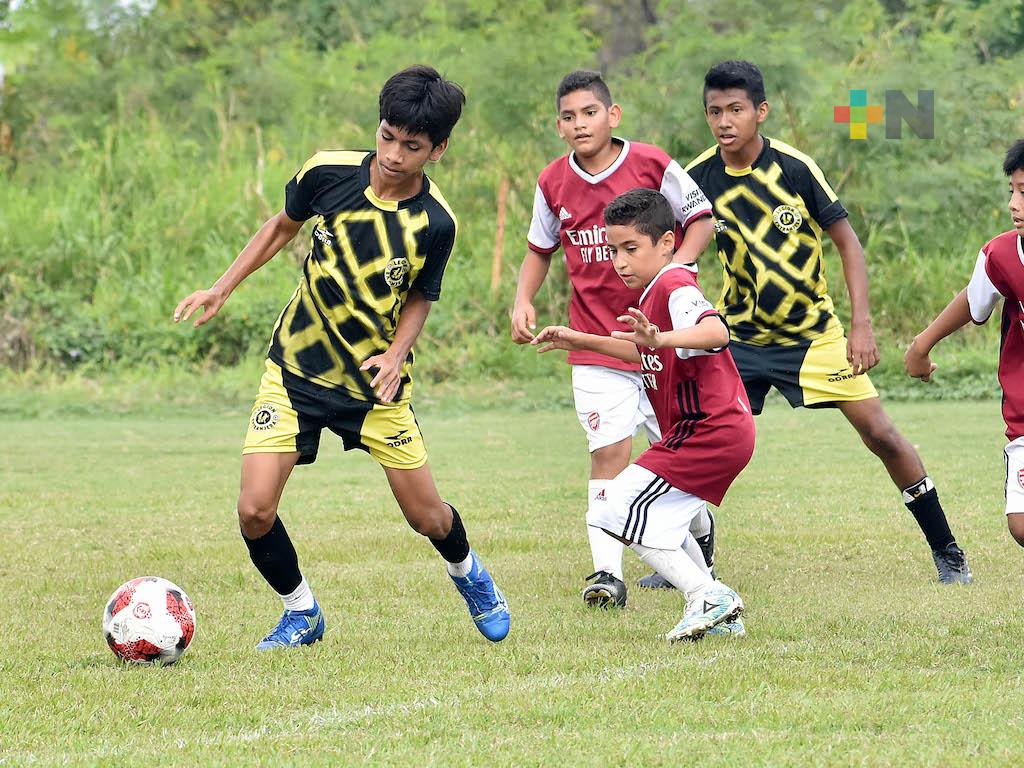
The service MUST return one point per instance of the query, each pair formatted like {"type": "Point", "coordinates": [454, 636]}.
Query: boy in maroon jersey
{"type": "Point", "coordinates": [568, 205]}
{"type": "Point", "coordinates": [697, 395]}
{"type": "Point", "coordinates": [998, 275]}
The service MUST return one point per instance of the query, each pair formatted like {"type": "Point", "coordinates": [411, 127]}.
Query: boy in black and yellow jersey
{"type": "Point", "coordinates": [771, 203]}
{"type": "Point", "coordinates": [341, 353]}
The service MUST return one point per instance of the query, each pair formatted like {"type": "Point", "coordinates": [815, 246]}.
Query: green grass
{"type": "Point", "coordinates": [854, 655]}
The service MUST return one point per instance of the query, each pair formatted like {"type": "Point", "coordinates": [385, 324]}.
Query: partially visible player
{"type": "Point", "coordinates": [679, 341]}
{"type": "Point", "coordinates": [771, 203]}
{"type": "Point", "coordinates": [998, 276]}
{"type": "Point", "coordinates": [340, 356]}
{"type": "Point", "coordinates": [568, 204]}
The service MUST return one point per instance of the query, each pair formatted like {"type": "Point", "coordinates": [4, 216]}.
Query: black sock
{"type": "Point", "coordinates": [923, 502]}
{"type": "Point", "coordinates": [275, 558]}
{"type": "Point", "coordinates": [454, 547]}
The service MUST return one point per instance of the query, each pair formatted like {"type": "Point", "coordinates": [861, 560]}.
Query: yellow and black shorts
{"type": "Point", "coordinates": [812, 374]}
{"type": "Point", "coordinates": [290, 412]}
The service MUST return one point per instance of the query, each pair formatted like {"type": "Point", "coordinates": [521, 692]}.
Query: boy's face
{"type": "Point", "coordinates": [636, 259]}
{"type": "Point", "coordinates": [401, 154]}
{"type": "Point", "coordinates": [733, 118]}
{"type": "Point", "coordinates": [1016, 204]}
{"type": "Point", "coordinates": [585, 123]}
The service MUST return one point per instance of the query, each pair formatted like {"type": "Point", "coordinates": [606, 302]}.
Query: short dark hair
{"type": "Point", "coordinates": [583, 80]}
{"type": "Point", "coordinates": [419, 100]}
{"type": "Point", "coordinates": [645, 209]}
{"type": "Point", "coordinates": [735, 74]}
{"type": "Point", "coordinates": [1014, 158]}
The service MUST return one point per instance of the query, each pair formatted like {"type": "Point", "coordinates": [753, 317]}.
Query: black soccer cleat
{"type": "Point", "coordinates": [951, 564]}
{"type": "Point", "coordinates": [655, 581]}
{"type": "Point", "coordinates": [607, 591]}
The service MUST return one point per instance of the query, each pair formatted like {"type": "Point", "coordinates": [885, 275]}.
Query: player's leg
{"type": "Point", "coordinates": [653, 518]}
{"type": "Point", "coordinates": [1014, 457]}
{"type": "Point", "coordinates": [608, 405]}
{"type": "Point", "coordinates": [279, 436]}
{"type": "Point", "coordinates": [904, 466]}
{"type": "Point", "coordinates": [439, 521]}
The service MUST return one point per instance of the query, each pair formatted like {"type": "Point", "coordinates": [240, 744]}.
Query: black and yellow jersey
{"type": "Point", "coordinates": [365, 255]}
{"type": "Point", "coordinates": [768, 223]}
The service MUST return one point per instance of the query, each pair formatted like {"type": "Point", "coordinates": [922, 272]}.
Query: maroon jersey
{"type": "Point", "coordinates": [999, 274]}
{"type": "Point", "coordinates": [706, 425]}
{"type": "Point", "coordinates": [568, 210]}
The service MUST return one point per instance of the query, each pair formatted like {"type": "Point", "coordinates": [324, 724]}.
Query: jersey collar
{"type": "Point", "coordinates": [750, 168]}
{"type": "Point", "coordinates": [598, 178]}
{"type": "Point", "coordinates": [387, 205]}
{"type": "Point", "coordinates": [662, 271]}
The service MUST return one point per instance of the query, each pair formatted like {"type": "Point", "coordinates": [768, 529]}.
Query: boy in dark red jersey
{"type": "Point", "coordinates": [568, 205]}
{"type": "Point", "coordinates": [998, 275]}
{"type": "Point", "coordinates": [697, 396]}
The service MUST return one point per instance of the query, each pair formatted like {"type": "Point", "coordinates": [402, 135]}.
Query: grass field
{"type": "Point", "coordinates": [855, 655]}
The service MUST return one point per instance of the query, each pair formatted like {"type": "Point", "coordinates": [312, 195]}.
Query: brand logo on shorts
{"type": "Point", "coordinates": [142, 611]}
{"type": "Point", "coordinates": [396, 270]}
{"type": "Point", "coordinates": [594, 420]}
{"type": "Point", "coordinates": [601, 496]}
{"type": "Point", "coordinates": [396, 440]}
{"type": "Point", "coordinates": [265, 417]}
{"type": "Point", "coordinates": [843, 375]}
{"type": "Point", "coordinates": [787, 218]}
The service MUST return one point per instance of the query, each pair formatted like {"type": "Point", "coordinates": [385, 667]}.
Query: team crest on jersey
{"type": "Point", "coordinates": [265, 417]}
{"type": "Point", "coordinates": [396, 270]}
{"type": "Point", "coordinates": [787, 218]}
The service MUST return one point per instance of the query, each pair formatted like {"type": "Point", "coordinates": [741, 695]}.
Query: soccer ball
{"type": "Point", "coordinates": [149, 620]}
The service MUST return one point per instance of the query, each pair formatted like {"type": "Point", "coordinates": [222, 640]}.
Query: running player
{"type": "Point", "coordinates": [998, 276]}
{"type": "Point", "coordinates": [771, 203]}
{"type": "Point", "coordinates": [697, 395]}
{"type": "Point", "coordinates": [341, 353]}
{"type": "Point", "coordinates": [568, 204]}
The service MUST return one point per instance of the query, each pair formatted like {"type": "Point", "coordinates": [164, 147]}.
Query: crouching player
{"type": "Point", "coordinates": [998, 276]}
{"type": "Point", "coordinates": [697, 395]}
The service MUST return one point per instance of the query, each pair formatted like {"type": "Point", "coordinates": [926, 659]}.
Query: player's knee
{"type": "Point", "coordinates": [431, 522]}
{"type": "Point", "coordinates": [1015, 522]}
{"type": "Point", "coordinates": [883, 439]}
{"type": "Point", "coordinates": [254, 514]}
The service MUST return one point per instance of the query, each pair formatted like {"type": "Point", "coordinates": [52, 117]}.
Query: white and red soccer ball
{"type": "Point", "coordinates": [149, 620]}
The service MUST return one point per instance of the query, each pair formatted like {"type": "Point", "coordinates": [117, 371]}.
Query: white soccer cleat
{"type": "Point", "coordinates": [715, 605]}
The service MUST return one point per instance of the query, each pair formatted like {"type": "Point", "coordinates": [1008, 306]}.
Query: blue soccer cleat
{"type": "Point", "coordinates": [296, 628]}
{"type": "Point", "coordinates": [731, 629]}
{"type": "Point", "coordinates": [715, 605]}
{"type": "Point", "coordinates": [486, 604]}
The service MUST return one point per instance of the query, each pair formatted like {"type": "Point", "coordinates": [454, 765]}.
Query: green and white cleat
{"type": "Point", "coordinates": [716, 605]}
{"type": "Point", "coordinates": [731, 629]}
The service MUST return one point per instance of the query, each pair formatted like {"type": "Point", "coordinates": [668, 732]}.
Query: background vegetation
{"type": "Point", "coordinates": [142, 143]}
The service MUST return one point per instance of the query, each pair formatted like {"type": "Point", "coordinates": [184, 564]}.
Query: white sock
{"type": "Point", "coordinates": [692, 550]}
{"type": "Point", "coordinates": [461, 570]}
{"type": "Point", "coordinates": [676, 566]}
{"type": "Point", "coordinates": [606, 551]}
{"type": "Point", "coordinates": [301, 599]}
{"type": "Point", "coordinates": [701, 523]}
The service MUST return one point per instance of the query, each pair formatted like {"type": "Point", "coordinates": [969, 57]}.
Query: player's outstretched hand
{"type": "Point", "coordinates": [861, 349]}
{"type": "Point", "coordinates": [556, 337]}
{"type": "Point", "coordinates": [918, 365]}
{"type": "Point", "coordinates": [210, 300]}
{"type": "Point", "coordinates": [644, 333]}
{"type": "Point", "coordinates": [388, 377]}
{"type": "Point", "coordinates": [524, 320]}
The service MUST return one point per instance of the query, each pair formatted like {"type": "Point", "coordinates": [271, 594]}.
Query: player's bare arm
{"type": "Point", "coordinates": [531, 277]}
{"type": "Point", "coordinates": [917, 360]}
{"type": "Point", "coordinates": [275, 233]}
{"type": "Point", "coordinates": [561, 337]}
{"type": "Point", "coordinates": [389, 364]}
{"type": "Point", "coordinates": [861, 349]}
{"type": "Point", "coordinates": [696, 237]}
{"type": "Point", "coordinates": [709, 333]}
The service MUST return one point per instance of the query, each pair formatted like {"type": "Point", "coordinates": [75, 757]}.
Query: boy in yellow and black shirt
{"type": "Point", "coordinates": [771, 203]}
{"type": "Point", "coordinates": [341, 353]}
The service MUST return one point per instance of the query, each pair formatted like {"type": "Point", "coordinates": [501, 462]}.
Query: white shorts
{"type": "Point", "coordinates": [641, 507]}
{"type": "Point", "coordinates": [1014, 455]}
{"type": "Point", "coordinates": [611, 405]}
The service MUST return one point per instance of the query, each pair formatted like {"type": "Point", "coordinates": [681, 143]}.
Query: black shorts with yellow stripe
{"type": "Point", "coordinates": [811, 374]}
{"type": "Point", "coordinates": [291, 412]}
